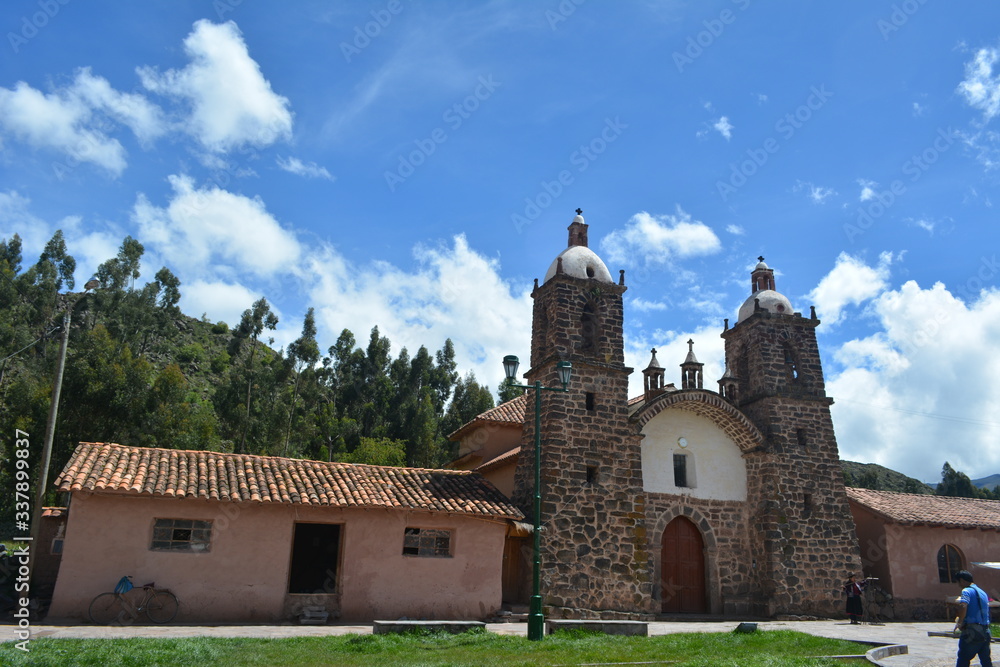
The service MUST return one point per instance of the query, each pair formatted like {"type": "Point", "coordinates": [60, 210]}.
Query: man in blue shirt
{"type": "Point", "coordinates": [974, 622]}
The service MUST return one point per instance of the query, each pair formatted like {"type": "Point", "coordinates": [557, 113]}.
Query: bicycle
{"type": "Point", "coordinates": [159, 605]}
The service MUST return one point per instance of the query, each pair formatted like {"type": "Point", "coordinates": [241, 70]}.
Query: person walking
{"type": "Point", "coordinates": [974, 623]}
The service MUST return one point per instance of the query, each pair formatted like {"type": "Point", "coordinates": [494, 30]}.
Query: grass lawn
{"type": "Point", "coordinates": [773, 649]}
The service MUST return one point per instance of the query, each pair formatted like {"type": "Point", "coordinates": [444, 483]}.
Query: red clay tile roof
{"type": "Point", "coordinates": [916, 509]}
{"type": "Point", "coordinates": [511, 413]}
{"type": "Point", "coordinates": [173, 473]}
{"type": "Point", "coordinates": [509, 456]}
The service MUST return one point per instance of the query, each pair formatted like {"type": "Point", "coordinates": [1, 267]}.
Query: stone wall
{"type": "Point", "coordinates": [595, 561]}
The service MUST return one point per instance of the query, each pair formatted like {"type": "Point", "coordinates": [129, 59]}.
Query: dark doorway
{"type": "Point", "coordinates": [682, 569]}
{"type": "Point", "coordinates": [315, 552]}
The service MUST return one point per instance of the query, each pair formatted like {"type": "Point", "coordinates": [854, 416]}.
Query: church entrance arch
{"type": "Point", "coordinates": [682, 569]}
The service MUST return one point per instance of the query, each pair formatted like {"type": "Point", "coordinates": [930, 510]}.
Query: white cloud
{"type": "Point", "coordinates": [851, 282]}
{"type": "Point", "coordinates": [309, 170]}
{"type": "Point", "coordinates": [220, 300]}
{"type": "Point", "coordinates": [232, 104]}
{"type": "Point", "coordinates": [867, 189]}
{"type": "Point", "coordinates": [922, 390]}
{"type": "Point", "coordinates": [918, 109]}
{"type": "Point", "coordinates": [659, 239]}
{"type": "Point", "coordinates": [981, 88]}
{"type": "Point", "coordinates": [761, 98]}
{"type": "Point", "coordinates": [58, 122]}
{"type": "Point", "coordinates": [453, 292]}
{"type": "Point", "coordinates": [817, 193]}
{"type": "Point", "coordinates": [76, 119]}
{"type": "Point", "coordinates": [202, 228]}
{"type": "Point", "coordinates": [645, 306]}
{"type": "Point", "coordinates": [724, 127]}
{"type": "Point", "coordinates": [736, 229]}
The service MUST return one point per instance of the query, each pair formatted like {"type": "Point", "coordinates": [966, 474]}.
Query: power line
{"type": "Point", "coordinates": [918, 413]}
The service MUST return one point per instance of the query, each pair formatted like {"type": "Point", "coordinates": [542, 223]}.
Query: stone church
{"type": "Point", "coordinates": [681, 500]}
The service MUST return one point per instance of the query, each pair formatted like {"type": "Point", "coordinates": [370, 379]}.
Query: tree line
{"type": "Point", "coordinates": [141, 373]}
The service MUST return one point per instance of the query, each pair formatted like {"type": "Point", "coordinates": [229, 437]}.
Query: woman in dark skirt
{"type": "Point", "coordinates": [854, 590]}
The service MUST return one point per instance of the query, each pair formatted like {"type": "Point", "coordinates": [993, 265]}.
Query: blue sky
{"type": "Point", "coordinates": [415, 165]}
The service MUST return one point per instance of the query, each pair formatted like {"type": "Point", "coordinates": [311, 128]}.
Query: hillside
{"type": "Point", "coordinates": [990, 482]}
{"type": "Point", "coordinates": [874, 476]}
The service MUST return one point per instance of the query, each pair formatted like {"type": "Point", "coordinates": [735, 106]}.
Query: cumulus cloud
{"type": "Point", "coordinates": [981, 87]}
{"type": "Point", "coordinates": [299, 168]}
{"type": "Point", "coordinates": [922, 389]}
{"type": "Point", "coordinates": [736, 229]}
{"type": "Point", "coordinates": [851, 282]}
{"type": "Point", "coordinates": [232, 104]}
{"type": "Point", "coordinates": [203, 226]}
{"type": "Point", "coordinates": [453, 291]}
{"type": "Point", "coordinates": [76, 119]}
{"type": "Point", "coordinates": [659, 239]}
{"type": "Point", "coordinates": [867, 189]}
{"type": "Point", "coordinates": [724, 127]}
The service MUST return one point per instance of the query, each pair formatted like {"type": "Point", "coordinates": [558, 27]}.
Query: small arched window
{"type": "Point", "coordinates": [950, 562]}
{"type": "Point", "coordinates": [790, 364]}
{"type": "Point", "coordinates": [588, 327]}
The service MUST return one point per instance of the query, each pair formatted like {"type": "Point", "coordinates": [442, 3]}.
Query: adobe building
{"type": "Point", "coordinates": [682, 500]}
{"type": "Point", "coordinates": [914, 545]}
{"type": "Point", "coordinates": [257, 539]}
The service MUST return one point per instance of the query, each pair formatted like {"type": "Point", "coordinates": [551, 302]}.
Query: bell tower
{"type": "Point", "coordinates": [594, 557]}
{"type": "Point", "coordinates": [774, 375]}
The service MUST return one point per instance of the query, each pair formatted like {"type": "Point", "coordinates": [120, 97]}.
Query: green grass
{"type": "Point", "coordinates": [771, 649]}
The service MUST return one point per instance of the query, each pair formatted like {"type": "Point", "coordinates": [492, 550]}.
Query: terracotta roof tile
{"type": "Point", "coordinates": [142, 471]}
{"type": "Point", "coordinates": [510, 456]}
{"type": "Point", "coordinates": [917, 509]}
{"type": "Point", "coordinates": [511, 412]}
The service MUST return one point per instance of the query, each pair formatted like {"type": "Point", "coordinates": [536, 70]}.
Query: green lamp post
{"type": "Point", "coordinates": [536, 620]}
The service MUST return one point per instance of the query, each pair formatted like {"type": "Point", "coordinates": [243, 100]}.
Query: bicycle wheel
{"type": "Point", "coordinates": [106, 609]}
{"type": "Point", "coordinates": [162, 607]}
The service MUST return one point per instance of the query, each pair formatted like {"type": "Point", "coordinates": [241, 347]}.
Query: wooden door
{"type": "Point", "coordinates": [682, 569]}
{"type": "Point", "coordinates": [516, 571]}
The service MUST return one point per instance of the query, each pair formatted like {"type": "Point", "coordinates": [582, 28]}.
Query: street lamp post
{"type": "Point", "coordinates": [50, 426]}
{"type": "Point", "coordinates": [536, 619]}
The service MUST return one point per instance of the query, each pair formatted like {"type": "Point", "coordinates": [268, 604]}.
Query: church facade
{"type": "Point", "coordinates": [682, 500]}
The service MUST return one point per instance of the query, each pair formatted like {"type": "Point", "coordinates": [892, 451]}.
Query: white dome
{"type": "Point", "coordinates": [580, 262]}
{"type": "Point", "coordinates": [769, 300]}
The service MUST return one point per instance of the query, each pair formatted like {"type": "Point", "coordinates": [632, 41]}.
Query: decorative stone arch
{"type": "Point", "coordinates": [712, 406]}
{"type": "Point", "coordinates": [711, 550]}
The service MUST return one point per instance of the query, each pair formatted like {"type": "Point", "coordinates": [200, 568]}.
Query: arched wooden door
{"type": "Point", "coordinates": [682, 569]}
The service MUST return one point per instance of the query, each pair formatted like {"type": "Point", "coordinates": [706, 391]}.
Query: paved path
{"type": "Point", "coordinates": [924, 651]}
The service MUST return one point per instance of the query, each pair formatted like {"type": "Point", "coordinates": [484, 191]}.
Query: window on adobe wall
{"type": "Point", "coordinates": [427, 542]}
{"type": "Point", "coordinates": [950, 561]}
{"type": "Point", "coordinates": [315, 559]}
{"type": "Point", "coordinates": [790, 364]}
{"type": "Point", "coordinates": [591, 474]}
{"type": "Point", "coordinates": [591, 401]}
{"type": "Point", "coordinates": [181, 535]}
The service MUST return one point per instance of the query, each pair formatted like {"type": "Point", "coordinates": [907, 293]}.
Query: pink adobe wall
{"type": "Point", "coordinates": [503, 477]}
{"type": "Point", "coordinates": [872, 542]}
{"type": "Point", "coordinates": [491, 440]}
{"type": "Point", "coordinates": [244, 577]}
{"type": "Point", "coordinates": [913, 559]}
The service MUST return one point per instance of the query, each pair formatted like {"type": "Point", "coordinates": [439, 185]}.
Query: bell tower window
{"type": "Point", "coordinates": [588, 327]}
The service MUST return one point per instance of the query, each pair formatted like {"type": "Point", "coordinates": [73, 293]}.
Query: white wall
{"type": "Point", "coordinates": [715, 465]}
